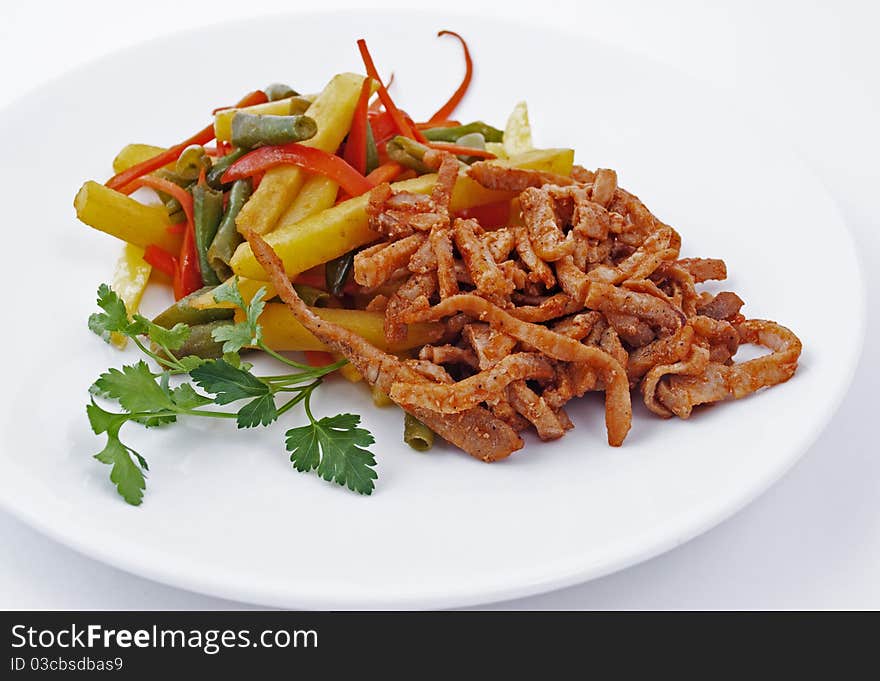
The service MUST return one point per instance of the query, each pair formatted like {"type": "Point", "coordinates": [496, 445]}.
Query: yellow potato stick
{"type": "Point", "coordinates": [129, 281]}
{"type": "Point", "coordinates": [317, 194]}
{"type": "Point", "coordinates": [347, 371]}
{"type": "Point", "coordinates": [332, 110]}
{"type": "Point", "coordinates": [337, 230]}
{"type": "Point", "coordinates": [121, 216]}
{"type": "Point", "coordinates": [132, 154]}
{"type": "Point", "coordinates": [282, 332]}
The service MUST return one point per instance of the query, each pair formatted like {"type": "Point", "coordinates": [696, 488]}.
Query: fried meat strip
{"type": "Point", "coordinates": [658, 313]}
{"type": "Point", "coordinates": [375, 265]}
{"type": "Point", "coordinates": [618, 409]}
{"type": "Point", "coordinates": [476, 431]}
{"type": "Point", "coordinates": [471, 391]}
{"type": "Point", "coordinates": [415, 293]}
{"type": "Point", "coordinates": [484, 271]}
{"type": "Point", "coordinates": [540, 270]}
{"type": "Point", "coordinates": [494, 176]}
{"type": "Point", "coordinates": [539, 215]}
{"type": "Point", "coordinates": [535, 409]}
{"type": "Point", "coordinates": [680, 393]}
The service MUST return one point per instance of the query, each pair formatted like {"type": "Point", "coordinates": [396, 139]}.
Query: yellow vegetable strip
{"type": "Point", "coordinates": [129, 281]}
{"type": "Point", "coordinates": [337, 230]}
{"type": "Point", "coordinates": [282, 332]}
{"type": "Point", "coordinates": [132, 154]}
{"type": "Point", "coordinates": [332, 111]}
{"type": "Point", "coordinates": [121, 216]}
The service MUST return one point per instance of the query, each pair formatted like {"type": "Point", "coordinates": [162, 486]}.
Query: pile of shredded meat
{"type": "Point", "coordinates": [582, 290]}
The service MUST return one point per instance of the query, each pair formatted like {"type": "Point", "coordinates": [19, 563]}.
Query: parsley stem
{"type": "Point", "coordinates": [269, 351]}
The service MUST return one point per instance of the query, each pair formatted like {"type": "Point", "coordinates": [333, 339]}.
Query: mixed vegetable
{"type": "Point", "coordinates": [296, 169]}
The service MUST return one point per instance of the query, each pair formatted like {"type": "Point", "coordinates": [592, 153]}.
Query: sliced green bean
{"type": "Point", "coordinates": [489, 133]}
{"type": "Point", "coordinates": [207, 211]}
{"type": "Point", "coordinates": [251, 130]}
{"type": "Point", "coordinates": [192, 161]}
{"type": "Point", "coordinates": [372, 151]}
{"type": "Point", "coordinates": [407, 153]}
{"type": "Point", "coordinates": [181, 312]}
{"type": "Point", "coordinates": [227, 238]}
{"type": "Point", "coordinates": [221, 166]}
{"type": "Point", "coordinates": [336, 272]}
{"type": "Point", "coordinates": [172, 205]}
{"type": "Point", "coordinates": [277, 91]}
{"type": "Point", "coordinates": [311, 296]}
{"type": "Point", "coordinates": [201, 343]}
{"type": "Point", "coordinates": [416, 434]}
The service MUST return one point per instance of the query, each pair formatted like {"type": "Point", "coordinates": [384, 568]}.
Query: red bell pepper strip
{"type": "Point", "coordinates": [437, 124]}
{"type": "Point", "coordinates": [376, 106]}
{"type": "Point", "coordinates": [356, 146]}
{"type": "Point", "coordinates": [187, 277]}
{"type": "Point", "coordinates": [308, 158]}
{"type": "Point", "coordinates": [400, 121]}
{"type": "Point", "coordinates": [160, 259]}
{"type": "Point", "coordinates": [318, 358]}
{"type": "Point", "coordinates": [314, 277]}
{"type": "Point", "coordinates": [488, 215]}
{"type": "Point", "coordinates": [460, 150]}
{"type": "Point", "coordinates": [445, 111]}
{"type": "Point", "coordinates": [120, 180]}
{"type": "Point", "coordinates": [384, 173]}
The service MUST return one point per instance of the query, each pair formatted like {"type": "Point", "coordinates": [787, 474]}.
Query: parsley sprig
{"type": "Point", "coordinates": [332, 446]}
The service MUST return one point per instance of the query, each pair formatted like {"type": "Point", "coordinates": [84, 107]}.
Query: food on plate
{"type": "Point", "coordinates": [450, 267]}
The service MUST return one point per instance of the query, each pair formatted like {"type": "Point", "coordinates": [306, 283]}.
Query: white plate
{"type": "Point", "coordinates": [224, 512]}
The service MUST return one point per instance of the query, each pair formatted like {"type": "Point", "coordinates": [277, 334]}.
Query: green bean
{"type": "Point", "coordinates": [221, 166]}
{"type": "Point", "coordinates": [311, 296]}
{"type": "Point", "coordinates": [182, 312]}
{"type": "Point", "coordinates": [407, 153]}
{"type": "Point", "coordinates": [172, 205]}
{"type": "Point", "coordinates": [279, 91]}
{"type": "Point", "coordinates": [336, 272]}
{"type": "Point", "coordinates": [251, 130]}
{"type": "Point", "coordinates": [372, 151]}
{"type": "Point", "coordinates": [489, 133]}
{"type": "Point", "coordinates": [227, 238]}
{"type": "Point", "coordinates": [416, 434]}
{"type": "Point", "coordinates": [299, 105]}
{"type": "Point", "coordinates": [207, 211]}
{"type": "Point", "coordinates": [192, 161]}
{"type": "Point", "coordinates": [201, 343]}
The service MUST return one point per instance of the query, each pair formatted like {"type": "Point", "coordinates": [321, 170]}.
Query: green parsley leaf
{"type": "Point", "coordinates": [172, 338]}
{"type": "Point", "coordinates": [185, 397]}
{"type": "Point", "coordinates": [246, 332]}
{"type": "Point", "coordinates": [136, 390]}
{"type": "Point", "coordinates": [127, 475]}
{"type": "Point", "coordinates": [335, 447]}
{"type": "Point", "coordinates": [258, 412]}
{"type": "Point", "coordinates": [235, 336]}
{"type": "Point", "coordinates": [227, 383]}
{"type": "Point", "coordinates": [190, 362]}
{"type": "Point", "coordinates": [113, 319]}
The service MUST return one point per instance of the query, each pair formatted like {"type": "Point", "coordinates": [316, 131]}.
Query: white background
{"type": "Point", "coordinates": [809, 72]}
